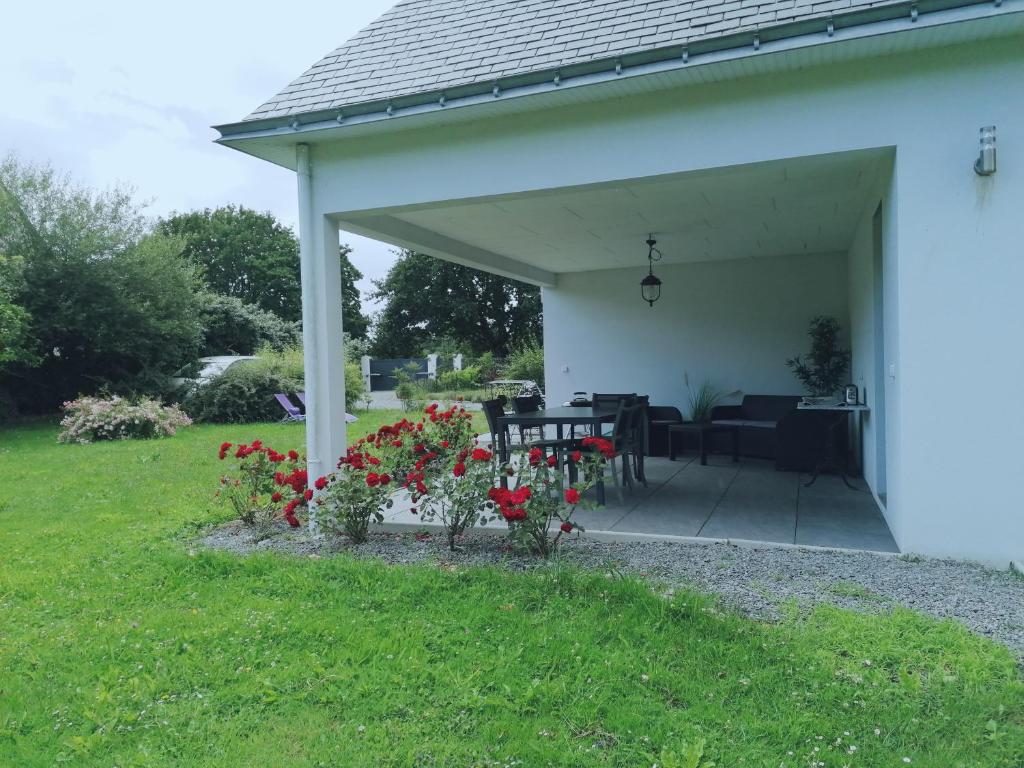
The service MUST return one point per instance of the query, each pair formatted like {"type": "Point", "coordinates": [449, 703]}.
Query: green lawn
{"type": "Point", "coordinates": [121, 646]}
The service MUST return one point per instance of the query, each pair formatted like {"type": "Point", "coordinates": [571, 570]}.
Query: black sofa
{"type": "Point", "coordinates": [771, 427]}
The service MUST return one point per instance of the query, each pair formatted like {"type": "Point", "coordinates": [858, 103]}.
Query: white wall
{"type": "Point", "coordinates": [864, 333]}
{"type": "Point", "coordinates": [953, 242]}
{"type": "Point", "coordinates": [734, 322]}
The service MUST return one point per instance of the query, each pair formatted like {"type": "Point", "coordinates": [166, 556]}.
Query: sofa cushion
{"type": "Point", "coordinates": [767, 407]}
{"type": "Point", "coordinates": [752, 423]}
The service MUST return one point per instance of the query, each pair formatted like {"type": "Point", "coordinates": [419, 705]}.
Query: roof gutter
{"type": "Point", "coordinates": [860, 24]}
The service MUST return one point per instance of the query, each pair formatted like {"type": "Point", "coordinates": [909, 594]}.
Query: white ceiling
{"type": "Point", "coordinates": [804, 205]}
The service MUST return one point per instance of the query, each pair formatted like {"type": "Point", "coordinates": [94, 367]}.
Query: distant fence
{"type": "Point", "coordinates": [381, 372]}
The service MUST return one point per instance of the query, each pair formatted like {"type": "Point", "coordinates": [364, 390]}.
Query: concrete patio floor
{"type": "Point", "coordinates": [748, 501]}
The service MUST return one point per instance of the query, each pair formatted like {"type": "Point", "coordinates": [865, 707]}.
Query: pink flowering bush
{"type": "Point", "coordinates": [262, 485]}
{"type": "Point", "coordinates": [89, 419]}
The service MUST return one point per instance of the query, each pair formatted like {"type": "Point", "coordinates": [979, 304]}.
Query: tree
{"type": "Point", "coordinates": [13, 319]}
{"type": "Point", "coordinates": [253, 257]}
{"type": "Point", "coordinates": [354, 322]}
{"type": "Point", "coordinates": [426, 299]}
{"type": "Point", "coordinates": [245, 254]}
{"type": "Point", "coordinates": [109, 303]}
{"type": "Point", "coordinates": [232, 327]}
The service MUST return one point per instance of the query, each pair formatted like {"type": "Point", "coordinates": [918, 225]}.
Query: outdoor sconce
{"type": "Point", "coordinates": [985, 165]}
{"type": "Point", "coordinates": [650, 286]}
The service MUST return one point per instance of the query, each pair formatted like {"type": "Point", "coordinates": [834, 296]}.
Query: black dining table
{"type": "Point", "coordinates": [560, 418]}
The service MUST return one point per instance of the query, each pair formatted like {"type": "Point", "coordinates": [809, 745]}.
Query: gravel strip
{"type": "Point", "coordinates": [753, 580]}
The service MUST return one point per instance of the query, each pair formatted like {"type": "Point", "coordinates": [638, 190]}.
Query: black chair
{"type": "Point", "coordinates": [528, 404]}
{"type": "Point", "coordinates": [627, 439]}
{"type": "Point", "coordinates": [612, 400]}
{"type": "Point", "coordinates": [494, 410]}
{"type": "Point", "coordinates": [758, 418]}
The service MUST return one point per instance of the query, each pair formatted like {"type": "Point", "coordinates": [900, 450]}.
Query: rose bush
{"type": "Point", "coordinates": [89, 419]}
{"type": "Point", "coordinates": [439, 462]}
{"type": "Point", "coordinates": [364, 483]}
{"type": "Point", "coordinates": [264, 485]}
{"type": "Point", "coordinates": [538, 498]}
{"type": "Point", "coordinates": [450, 479]}
{"type": "Point", "coordinates": [426, 458]}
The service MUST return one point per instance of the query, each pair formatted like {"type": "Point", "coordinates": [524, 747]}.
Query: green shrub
{"type": "Point", "coordinates": [244, 393]}
{"type": "Point", "coordinates": [233, 327]}
{"type": "Point", "coordinates": [355, 385]}
{"type": "Point", "coordinates": [487, 366]}
{"type": "Point", "coordinates": [526, 362]}
{"type": "Point", "coordinates": [467, 378]}
{"type": "Point", "coordinates": [288, 362]}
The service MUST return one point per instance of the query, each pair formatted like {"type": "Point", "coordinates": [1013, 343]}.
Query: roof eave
{"type": "Point", "coordinates": [857, 25]}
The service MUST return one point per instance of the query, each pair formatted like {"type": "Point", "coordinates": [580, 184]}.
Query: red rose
{"type": "Point", "coordinates": [419, 448]}
{"type": "Point", "coordinates": [276, 496]}
{"type": "Point", "coordinates": [372, 479]}
{"type": "Point", "coordinates": [385, 478]}
{"type": "Point", "coordinates": [308, 495]}
{"type": "Point", "coordinates": [552, 460]}
{"type": "Point", "coordinates": [535, 455]}
{"type": "Point", "coordinates": [373, 460]}
{"type": "Point", "coordinates": [572, 496]}
{"type": "Point", "coordinates": [576, 456]}
{"type": "Point", "coordinates": [293, 455]}
{"type": "Point", "coordinates": [444, 444]}
{"type": "Point", "coordinates": [321, 483]}
{"type": "Point", "coordinates": [520, 495]}
{"type": "Point", "coordinates": [459, 469]}
{"type": "Point", "coordinates": [566, 527]}
{"type": "Point", "coordinates": [291, 519]}
{"type": "Point", "coordinates": [396, 443]}
{"type": "Point", "coordinates": [480, 454]}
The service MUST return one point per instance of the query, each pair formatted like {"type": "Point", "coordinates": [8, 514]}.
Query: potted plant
{"type": "Point", "coordinates": [823, 370]}
{"type": "Point", "coordinates": [701, 400]}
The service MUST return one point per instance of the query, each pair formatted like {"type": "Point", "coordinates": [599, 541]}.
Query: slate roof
{"type": "Point", "coordinates": [430, 45]}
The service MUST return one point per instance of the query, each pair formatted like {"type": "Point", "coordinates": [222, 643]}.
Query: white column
{"type": "Point", "coordinates": [457, 362]}
{"type": "Point", "coordinates": [321, 327]}
{"type": "Point", "coordinates": [431, 366]}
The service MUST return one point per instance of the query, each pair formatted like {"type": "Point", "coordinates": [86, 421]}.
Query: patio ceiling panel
{"type": "Point", "coordinates": [797, 206]}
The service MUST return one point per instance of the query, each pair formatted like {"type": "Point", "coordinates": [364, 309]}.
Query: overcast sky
{"type": "Point", "coordinates": [119, 91]}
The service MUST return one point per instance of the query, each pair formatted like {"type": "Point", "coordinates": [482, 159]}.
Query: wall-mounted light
{"type": "Point", "coordinates": [985, 165]}
{"type": "Point", "coordinates": [650, 286]}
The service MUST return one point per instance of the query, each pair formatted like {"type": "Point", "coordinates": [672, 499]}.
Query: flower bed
{"type": "Point", "coordinates": [89, 419]}
{"type": "Point", "coordinates": [438, 461]}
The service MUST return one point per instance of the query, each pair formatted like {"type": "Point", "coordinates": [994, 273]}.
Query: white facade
{"type": "Point", "coordinates": [930, 299]}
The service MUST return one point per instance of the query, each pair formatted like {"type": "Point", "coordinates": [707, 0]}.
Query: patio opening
{"type": "Point", "coordinates": [752, 253]}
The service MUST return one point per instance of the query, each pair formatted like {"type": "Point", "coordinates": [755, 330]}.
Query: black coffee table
{"type": "Point", "coordinates": [702, 429]}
